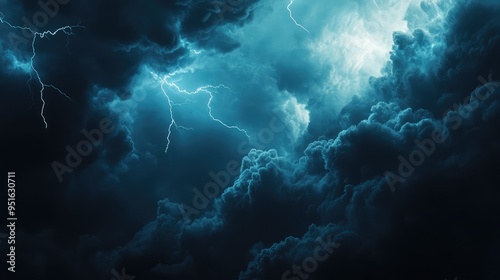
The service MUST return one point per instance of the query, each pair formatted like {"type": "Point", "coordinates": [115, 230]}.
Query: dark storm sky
{"type": "Point", "coordinates": [330, 108]}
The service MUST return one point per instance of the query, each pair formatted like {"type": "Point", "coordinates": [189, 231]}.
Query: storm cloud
{"type": "Point", "coordinates": [246, 147]}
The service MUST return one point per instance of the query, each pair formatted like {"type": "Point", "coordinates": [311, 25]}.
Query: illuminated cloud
{"type": "Point", "coordinates": [356, 85]}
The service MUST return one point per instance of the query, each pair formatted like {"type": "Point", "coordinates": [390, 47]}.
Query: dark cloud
{"type": "Point", "coordinates": [439, 222]}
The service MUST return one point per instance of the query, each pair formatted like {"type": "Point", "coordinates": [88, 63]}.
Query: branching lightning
{"type": "Point", "coordinates": [68, 30]}
{"type": "Point", "coordinates": [291, 16]}
{"type": "Point", "coordinates": [165, 82]}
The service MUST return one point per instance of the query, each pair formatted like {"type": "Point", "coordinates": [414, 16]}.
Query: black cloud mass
{"type": "Point", "coordinates": [192, 139]}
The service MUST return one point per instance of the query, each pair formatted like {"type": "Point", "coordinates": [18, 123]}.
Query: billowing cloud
{"type": "Point", "coordinates": [385, 166]}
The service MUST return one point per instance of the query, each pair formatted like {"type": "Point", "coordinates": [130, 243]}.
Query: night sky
{"type": "Point", "coordinates": [249, 139]}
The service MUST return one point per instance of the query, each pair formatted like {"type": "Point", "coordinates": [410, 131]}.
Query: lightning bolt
{"type": "Point", "coordinates": [68, 30]}
{"type": "Point", "coordinates": [291, 16]}
{"type": "Point", "coordinates": [376, 4]}
{"type": "Point", "coordinates": [166, 83]}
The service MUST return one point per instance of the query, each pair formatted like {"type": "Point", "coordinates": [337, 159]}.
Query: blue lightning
{"type": "Point", "coordinates": [68, 30]}
{"type": "Point", "coordinates": [164, 82]}
{"type": "Point", "coordinates": [291, 16]}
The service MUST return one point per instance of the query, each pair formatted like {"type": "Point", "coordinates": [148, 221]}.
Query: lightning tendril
{"type": "Point", "coordinates": [165, 83]}
{"type": "Point", "coordinates": [68, 30]}
{"type": "Point", "coordinates": [291, 16]}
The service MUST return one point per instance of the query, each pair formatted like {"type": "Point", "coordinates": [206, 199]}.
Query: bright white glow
{"type": "Point", "coordinates": [356, 44]}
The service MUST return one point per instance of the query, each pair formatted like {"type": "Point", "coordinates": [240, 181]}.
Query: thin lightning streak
{"type": "Point", "coordinates": [376, 4]}
{"type": "Point", "coordinates": [172, 119]}
{"type": "Point", "coordinates": [205, 89]}
{"type": "Point", "coordinates": [221, 122]}
{"type": "Point", "coordinates": [291, 16]}
{"type": "Point", "coordinates": [68, 30]}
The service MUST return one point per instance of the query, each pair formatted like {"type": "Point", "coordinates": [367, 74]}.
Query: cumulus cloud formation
{"type": "Point", "coordinates": [386, 166]}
